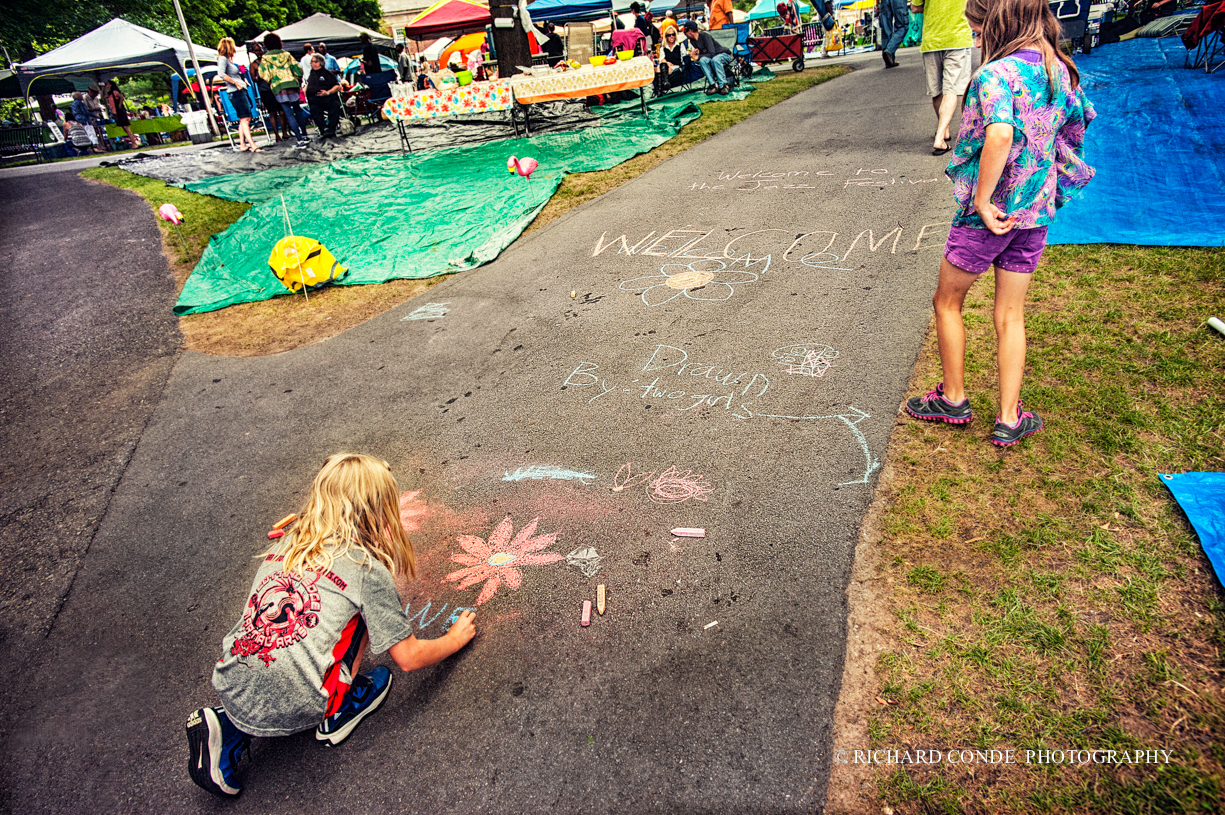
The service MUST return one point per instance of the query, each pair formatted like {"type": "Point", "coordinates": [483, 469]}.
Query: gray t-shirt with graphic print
{"type": "Point", "coordinates": [280, 663]}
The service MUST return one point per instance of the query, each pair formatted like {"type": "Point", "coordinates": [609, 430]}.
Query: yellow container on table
{"type": "Point", "coordinates": [625, 55]}
{"type": "Point", "coordinates": [464, 77]}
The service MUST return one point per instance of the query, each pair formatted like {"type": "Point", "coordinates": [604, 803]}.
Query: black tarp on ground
{"type": "Point", "coordinates": [552, 117]}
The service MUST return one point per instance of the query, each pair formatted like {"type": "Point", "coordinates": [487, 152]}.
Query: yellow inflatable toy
{"type": "Point", "coordinates": [299, 261]}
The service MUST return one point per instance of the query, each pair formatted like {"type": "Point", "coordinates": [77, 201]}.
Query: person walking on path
{"type": "Point", "coordinates": [894, 16]}
{"type": "Point", "coordinates": [237, 87]}
{"type": "Point", "coordinates": [318, 602]}
{"type": "Point", "coordinates": [946, 48]}
{"type": "Point", "coordinates": [1020, 156]}
{"type": "Point", "coordinates": [284, 75]}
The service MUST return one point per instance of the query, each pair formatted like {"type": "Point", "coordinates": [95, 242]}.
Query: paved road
{"type": "Point", "coordinates": [721, 343]}
{"type": "Point", "coordinates": [87, 348]}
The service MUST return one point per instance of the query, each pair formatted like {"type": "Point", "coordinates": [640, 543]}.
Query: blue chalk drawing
{"type": "Point", "coordinates": [539, 471]}
{"type": "Point", "coordinates": [422, 622]}
{"type": "Point", "coordinates": [430, 311]}
{"type": "Point", "coordinates": [851, 422]}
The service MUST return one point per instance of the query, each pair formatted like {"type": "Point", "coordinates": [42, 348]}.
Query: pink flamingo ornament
{"type": "Point", "coordinates": [169, 212]}
{"type": "Point", "coordinates": [523, 166]}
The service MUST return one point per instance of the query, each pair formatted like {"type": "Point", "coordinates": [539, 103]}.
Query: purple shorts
{"type": "Point", "coordinates": [974, 250]}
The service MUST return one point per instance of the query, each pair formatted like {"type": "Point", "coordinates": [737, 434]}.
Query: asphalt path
{"type": "Point", "coordinates": [721, 343]}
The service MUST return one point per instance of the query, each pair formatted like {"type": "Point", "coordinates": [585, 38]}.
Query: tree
{"type": "Point", "coordinates": [32, 27]}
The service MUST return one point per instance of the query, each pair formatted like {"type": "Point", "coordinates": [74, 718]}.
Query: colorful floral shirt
{"type": "Point", "coordinates": [1046, 164]}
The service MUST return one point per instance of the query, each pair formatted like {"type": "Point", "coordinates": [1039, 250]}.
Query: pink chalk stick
{"type": "Point", "coordinates": [275, 533]}
{"type": "Point", "coordinates": [586, 612]}
{"type": "Point", "coordinates": [683, 532]}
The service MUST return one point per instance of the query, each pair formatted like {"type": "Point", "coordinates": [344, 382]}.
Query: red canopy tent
{"type": "Point", "coordinates": [448, 17]}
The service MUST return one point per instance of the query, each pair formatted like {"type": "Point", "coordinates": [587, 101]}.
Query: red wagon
{"type": "Point", "coordinates": [764, 50]}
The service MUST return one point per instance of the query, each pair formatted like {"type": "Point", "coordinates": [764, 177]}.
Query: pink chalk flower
{"type": "Point", "coordinates": [412, 511]}
{"type": "Point", "coordinates": [498, 561]}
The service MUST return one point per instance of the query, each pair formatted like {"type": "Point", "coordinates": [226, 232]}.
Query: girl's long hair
{"type": "Point", "coordinates": [354, 503]}
{"type": "Point", "coordinates": [1009, 25]}
{"type": "Point", "coordinates": [226, 47]}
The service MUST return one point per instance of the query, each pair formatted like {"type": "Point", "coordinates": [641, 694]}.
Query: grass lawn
{"type": "Point", "coordinates": [1052, 596]}
{"type": "Point", "coordinates": [285, 323]}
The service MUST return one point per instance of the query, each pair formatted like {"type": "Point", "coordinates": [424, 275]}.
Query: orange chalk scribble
{"type": "Point", "coordinates": [672, 486]}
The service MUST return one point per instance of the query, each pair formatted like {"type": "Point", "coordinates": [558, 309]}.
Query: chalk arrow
{"type": "Point", "coordinates": [851, 419]}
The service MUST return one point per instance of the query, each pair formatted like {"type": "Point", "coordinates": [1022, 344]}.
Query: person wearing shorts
{"type": "Point", "coordinates": [976, 250]}
{"type": "Point", "coordinates": [947, 52]}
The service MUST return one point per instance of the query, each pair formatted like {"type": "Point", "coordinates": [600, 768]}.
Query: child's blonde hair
{"type": "Point", "coordinates": [1009, 25]}
{"type": "Point", "coordinates": [353, 503]}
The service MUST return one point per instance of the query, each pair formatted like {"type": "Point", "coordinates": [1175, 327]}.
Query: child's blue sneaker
{"type": "Point", "coordinates": [934, 407]}
{"type": "Point", "coordinates": [1006, 435]}
{"type": "Point", "coordinates": [364, 697]}
{"type": "Point", "coordinates": [215, 745]}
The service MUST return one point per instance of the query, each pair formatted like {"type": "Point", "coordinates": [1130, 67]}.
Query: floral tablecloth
{"type": "Point", "coordinates": [586, 81]}
{"type": "Point", "coordinates": [479, 97]}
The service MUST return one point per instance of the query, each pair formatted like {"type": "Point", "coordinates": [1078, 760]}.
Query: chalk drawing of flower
{"type": "Point", "coordinates": [498, 561]}
{"type": "Point", "coordinates": [412, 511]}
{"type": "Point", "coordinates": [706, 279]}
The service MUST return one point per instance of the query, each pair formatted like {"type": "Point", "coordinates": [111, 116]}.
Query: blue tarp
{"type": "Point", "coordinates": [1158, 145]}
{"type": "Point", "coordinates": [1202, 498]}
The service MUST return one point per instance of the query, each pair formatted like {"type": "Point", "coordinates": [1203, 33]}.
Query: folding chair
{"type": "Point", "coordinates": [1204, 37]}
{"type": "Point", "coordinates": [379, 91]}
{"type": "Point", "coordinates": [741, 52]}
{"type": "Point", "coordinates": [229, 117]}
{"type": "Point", "coordinates": [629, 39]}
{"type": "Point", "coordinates": [580, 42]}
{"type": "Point", "coordinates": [728, 37]}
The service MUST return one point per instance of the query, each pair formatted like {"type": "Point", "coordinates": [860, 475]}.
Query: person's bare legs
{"type": "Point", "coordinates": [950, 330]}
{"type": "Point", "coordinates": [1010, 291]}
{"type": "Point", "coordinates": [945, 105]}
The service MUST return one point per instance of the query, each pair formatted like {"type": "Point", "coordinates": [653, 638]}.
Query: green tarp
{"type": "Point", "coordinates": [158, 124]}
{"type": "Point", "coordinates": [416, 215]}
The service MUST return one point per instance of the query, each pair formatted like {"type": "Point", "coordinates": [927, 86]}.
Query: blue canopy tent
{"type": "Point", "coordinates": [567, 11]}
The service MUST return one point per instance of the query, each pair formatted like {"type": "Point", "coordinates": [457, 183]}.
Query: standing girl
{"type": "Point", "coordinates": [237, 87]}
{"type": "Point", "coordinates": [119, 111]}
{"type": "Point", "coordinates": [318, 602]}
{"type": "Point", "coordinates": [1019, 157]}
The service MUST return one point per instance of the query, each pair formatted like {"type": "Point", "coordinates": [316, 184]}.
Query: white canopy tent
{"type": "Point", "coordinates": [118, 48]}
